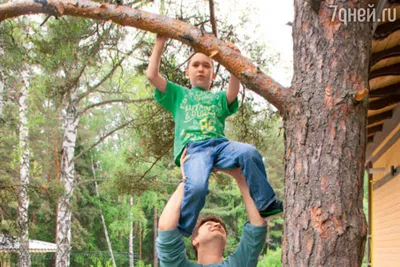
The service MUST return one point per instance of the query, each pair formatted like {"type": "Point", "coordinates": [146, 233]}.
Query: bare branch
{"type": "Point", "coordinates": [208, 44]}
{"type": "Point", "coordinates": [110, 73]}
{"type": "Point", "coordinates": [212, 17]}
{"type": "Point", "coordinates": [103, 138]}
{"type": "Point", "coordinates": [128, 101]}
{"type": "Point", "coordinates": [71, 83]}
{"type": "Point", "coordinates": [88, 181]}
{"type": "Point", "coordinates": [154, 163]}
{"type": "Point", "coordinates": [104, 79]}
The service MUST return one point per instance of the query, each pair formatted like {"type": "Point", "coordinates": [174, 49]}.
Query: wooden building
{"type": "Point", "coordinates": [383, 149]}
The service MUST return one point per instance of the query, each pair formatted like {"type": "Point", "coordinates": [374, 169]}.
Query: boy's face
{"type": "Point", "coordinates": [200, 71]}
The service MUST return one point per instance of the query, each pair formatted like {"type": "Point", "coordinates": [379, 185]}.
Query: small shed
{"type": "Point", "coordinates": [9, 247]}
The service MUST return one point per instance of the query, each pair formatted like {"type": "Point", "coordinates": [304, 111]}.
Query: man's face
{"type": "Point", "coordinates": [211, 231]}
{"type": "Point", "coordinates": [200, 71]}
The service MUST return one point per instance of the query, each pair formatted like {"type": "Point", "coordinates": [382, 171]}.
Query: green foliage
{"type": "Point", "coordinates": [99, 263]}
{"type": "Point", "coordinates": [142, 264]}
{"type": "Point", "coordinates": [135, 161]}
{"type": "Point", "coordinates": [271, 259]}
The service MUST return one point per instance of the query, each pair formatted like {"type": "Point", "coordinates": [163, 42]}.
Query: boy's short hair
{"type": "Point", "coordinates": [194, 53]}
{"type": "Point", "coordinates": [202, 221]}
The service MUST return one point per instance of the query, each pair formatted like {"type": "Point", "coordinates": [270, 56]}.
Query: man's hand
{"type": "Point", "coordinates": [184, 157]}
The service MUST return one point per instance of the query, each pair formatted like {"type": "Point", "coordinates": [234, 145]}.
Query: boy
{"type": "Point", "coordinates": [199, 117]}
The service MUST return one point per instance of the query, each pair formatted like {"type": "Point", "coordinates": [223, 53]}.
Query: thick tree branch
{"type": "Point", "coordinates": [208, 44]}
{"type": "Point", "coordinates": [128, 101]}
{"type": "Point", "coordinates": [103, 138]}
{"type": "Point", "coordinates": [88, 181]}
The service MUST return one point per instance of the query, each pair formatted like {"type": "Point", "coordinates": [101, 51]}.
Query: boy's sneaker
{"type": "Point", "coordinates": [274, 208]}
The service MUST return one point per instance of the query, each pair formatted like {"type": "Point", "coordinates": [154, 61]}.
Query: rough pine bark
{"type": "Point", "coordinates": [67, 174]}
{"type": "Point", "coordinates": [23, 196]}
{"type": "Point", "coordinates": [325, 139]}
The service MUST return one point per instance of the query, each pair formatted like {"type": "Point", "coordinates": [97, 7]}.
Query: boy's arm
{"type": "Point", "coordinates": [170, 216]}
{"type": "Point", "coordinates": [233, 89]}
{"type": "Point", "coordinates": [251, 209]}
{"type": "Point", "coordinates": [234, 84]}
{"type": "Point", "coordinates": [153, 70]}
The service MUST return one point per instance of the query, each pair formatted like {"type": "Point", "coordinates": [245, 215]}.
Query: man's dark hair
{"type": "Point", "coordinates": [202, 221]}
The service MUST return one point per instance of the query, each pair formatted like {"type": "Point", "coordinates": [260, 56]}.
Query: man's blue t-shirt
{"type": "Point", "coordinates": [172, 251]}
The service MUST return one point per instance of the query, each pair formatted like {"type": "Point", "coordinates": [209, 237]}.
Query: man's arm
{"type": "Point", "coordinates": [251, 209]}
{"type": "Point", "coordinates": [153, 70]}
{"type": "Point", "coordinates": [170, 216]}
{"type": "Point", "coordinates": [253, 237]}
{"type": "Point", "coordinates": [234, 83]}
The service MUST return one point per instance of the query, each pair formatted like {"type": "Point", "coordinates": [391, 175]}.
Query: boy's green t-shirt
{"type": "Point", "coordinates": [198, 114]}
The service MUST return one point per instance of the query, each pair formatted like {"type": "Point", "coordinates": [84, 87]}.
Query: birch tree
{"type": "Point", "coordinates": [324, 112]}
{"type": "Point", "coordinates": [73, 88]}
{"type": "Point", "coordinates": [23, 195]}
{"type": "Point", "coordinates": [131, 251]}
{"type": "Point", "coordinates": [72, 115]}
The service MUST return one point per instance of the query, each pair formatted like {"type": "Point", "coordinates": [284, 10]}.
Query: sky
{"type": "Point", "coordinates": [272, 16]}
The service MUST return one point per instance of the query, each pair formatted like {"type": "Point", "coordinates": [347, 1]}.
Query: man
{"type": "Point", "coordinates": [209, 235]}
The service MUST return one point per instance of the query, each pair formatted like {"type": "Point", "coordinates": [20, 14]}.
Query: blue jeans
{"type": "Point", "coordinates": [222, 154]}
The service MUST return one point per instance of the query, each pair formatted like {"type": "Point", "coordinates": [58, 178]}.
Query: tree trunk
{"type": "Point", "coordinates": [23, 197]}
{"type": "Point", "coordinates": [140, 241]}
{"type": "Point", "coordinates": [67, 179]}
{"type": "Point", "coordinates": [268, 236]}
{"type": "Point", "coordinates": [57, 176]}
{"type": "Point", "coordinates": [1, 92]}
{"type": "Point", "coordinates": [155, 236]}
{"type": "Point", "coordinates": [140, 232]}
{"type": "Point", "coordinates": [103, 221]}
{"type": "Point", "coordinates": [131, 255]}
{"type": "Point", "coordinates": [325, 139]}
